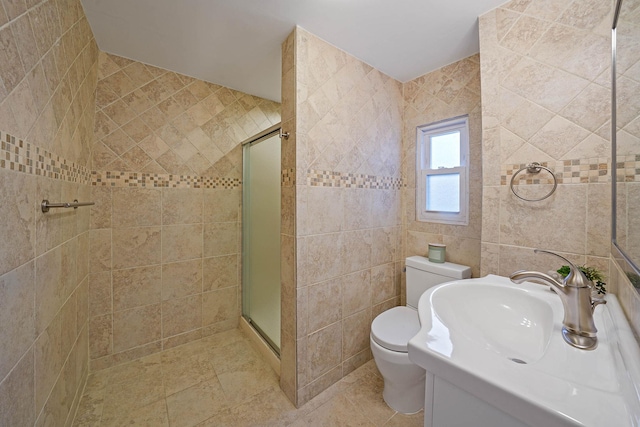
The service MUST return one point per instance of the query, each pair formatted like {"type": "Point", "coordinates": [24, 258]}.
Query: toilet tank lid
{"type": "Point", "coordinates": [447, 269]}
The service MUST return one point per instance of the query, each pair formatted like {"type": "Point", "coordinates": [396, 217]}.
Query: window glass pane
{"type": "Point", "coordinates": [443, 192]}
{"type": "Point", "coordinates": [445, 150]}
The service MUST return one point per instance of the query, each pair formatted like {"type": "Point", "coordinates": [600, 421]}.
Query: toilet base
{"type": "Point", "coordinates": [406, 401]}
{"type": "Point", "coordinates": [404, 381]}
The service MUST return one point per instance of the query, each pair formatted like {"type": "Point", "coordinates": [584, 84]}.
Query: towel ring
{"type": "Point", "coordinates": [534, 167]}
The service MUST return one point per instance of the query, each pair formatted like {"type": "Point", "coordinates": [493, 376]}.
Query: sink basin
{"type": "Point", "coordinates": [501, 343]}
{"type": "Point", "coordinates": [500, 319]}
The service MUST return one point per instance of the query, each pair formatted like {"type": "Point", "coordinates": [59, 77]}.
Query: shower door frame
{"type": "Point", "coordinates": [256, 139]}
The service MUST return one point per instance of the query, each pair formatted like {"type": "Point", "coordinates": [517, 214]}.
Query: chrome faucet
{"type": "Point", "coordinates": [578, 328]}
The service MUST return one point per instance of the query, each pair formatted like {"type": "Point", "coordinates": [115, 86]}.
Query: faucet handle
{"type": "Point", "coordinates": [575, 278]}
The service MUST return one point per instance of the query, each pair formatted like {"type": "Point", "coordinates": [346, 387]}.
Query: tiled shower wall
{"type": "Point", "coordinates": [546, 98]}
{"type": "Point", "coordinates": [348, 124]}
{"type": "Point", "coordinates": [449, 92]}
{"type": "Point", "coordinates": [165, 230]}
{"type": "Point", "coordinates": [48, 69]}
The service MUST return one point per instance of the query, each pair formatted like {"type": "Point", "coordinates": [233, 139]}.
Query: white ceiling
{"type": "Point", "coordinates": [236, 43]}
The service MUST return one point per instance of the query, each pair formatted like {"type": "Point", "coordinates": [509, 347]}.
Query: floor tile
{"type": "Point", "coordinates": [222, 381]}
{"type": "Point", "coordinates": [196, 404]}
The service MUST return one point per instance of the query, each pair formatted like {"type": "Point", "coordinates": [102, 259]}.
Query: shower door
{"type": "Point", "coordinates": [261, 235]}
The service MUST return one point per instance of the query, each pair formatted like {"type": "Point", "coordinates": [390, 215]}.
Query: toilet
{"type": "Point", "coordinates": [404, 382]}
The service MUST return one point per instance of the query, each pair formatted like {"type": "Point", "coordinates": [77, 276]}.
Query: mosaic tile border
{"type": "Point", "coordinates": [21, 156]}
{"type": "Point", "coordinates": [159, 180]}
{"type": "Point", "coordinates": [319, 178]}
{"type": "Point", "coordinates": [628, 168]}
{"type": "Point", "coordinates": [288, 177]}
{"type": "Point", "coordinates": [575, 171]}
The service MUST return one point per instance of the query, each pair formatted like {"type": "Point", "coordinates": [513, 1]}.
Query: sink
{"type": "Point", "coordinates": [501, 344]}
{"type": "Point", "coordinates": [499, 319]}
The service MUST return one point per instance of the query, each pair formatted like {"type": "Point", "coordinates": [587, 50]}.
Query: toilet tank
{"type": "Point", "coordinates": [423, 274]}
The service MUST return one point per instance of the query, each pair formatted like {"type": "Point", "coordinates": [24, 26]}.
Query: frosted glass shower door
{"type": "Point", "coordinates": [261, 237]}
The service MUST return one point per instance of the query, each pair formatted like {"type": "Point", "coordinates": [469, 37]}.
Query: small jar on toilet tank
{"type": "Point", "coordinates": [437, 252]}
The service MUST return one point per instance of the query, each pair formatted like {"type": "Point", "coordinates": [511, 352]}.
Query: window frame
{"type": "Point", "coordinates": [424, 134]}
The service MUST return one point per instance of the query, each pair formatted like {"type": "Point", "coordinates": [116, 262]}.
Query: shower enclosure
{"type": "Point", "coordinates": [261, 234]}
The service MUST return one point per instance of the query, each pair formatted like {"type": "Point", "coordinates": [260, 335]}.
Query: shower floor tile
{"type": "Point", "coordinates": [222, 381]}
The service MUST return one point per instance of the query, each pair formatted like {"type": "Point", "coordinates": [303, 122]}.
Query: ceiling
{"type": "Point", "coordinates": [236, 43]}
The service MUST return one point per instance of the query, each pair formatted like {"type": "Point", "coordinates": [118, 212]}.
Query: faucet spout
{"type": "Point", "coordinates": [578, 327]}
{"type": "Point", "coordinates": [536, 276]}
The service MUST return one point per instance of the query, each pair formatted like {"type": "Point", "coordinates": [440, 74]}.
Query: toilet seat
{"type": "Point", "coordinates": [394, 328]}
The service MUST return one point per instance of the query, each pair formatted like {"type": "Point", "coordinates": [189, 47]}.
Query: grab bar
{"type": "Point", "coordinates": [45, 205]}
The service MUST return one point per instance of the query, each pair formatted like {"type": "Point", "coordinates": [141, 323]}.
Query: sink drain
{"type": "Point", "coordinates": [515, 359]}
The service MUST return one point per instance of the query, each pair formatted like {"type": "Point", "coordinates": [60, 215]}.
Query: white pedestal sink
{"type": "Point", "coordinates": [494, 356]}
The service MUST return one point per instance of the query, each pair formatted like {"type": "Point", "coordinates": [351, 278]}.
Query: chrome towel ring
{"type": "Point", "coordinates": [533, 168]}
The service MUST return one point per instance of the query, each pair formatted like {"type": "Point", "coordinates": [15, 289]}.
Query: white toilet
{"type": "Point", "coordinates": [391, 331]}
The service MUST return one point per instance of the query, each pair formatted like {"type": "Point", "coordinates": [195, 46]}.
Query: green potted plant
{"type": "Point", "coordinates": [592, 274]}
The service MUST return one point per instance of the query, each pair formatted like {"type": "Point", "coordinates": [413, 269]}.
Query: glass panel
{"type": "Point", "coordinates": [443, 192]}
{"type": "Point", "coordinates": [445, 150]}
{"type": "Point", "coordinates": [261, 238]}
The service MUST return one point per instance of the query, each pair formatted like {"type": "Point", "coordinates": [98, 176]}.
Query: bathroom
{"type": "Point", "coordinates": [153, 268]}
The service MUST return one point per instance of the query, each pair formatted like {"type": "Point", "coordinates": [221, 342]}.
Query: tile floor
{"type": "Point", "coordinates": [222, 381]}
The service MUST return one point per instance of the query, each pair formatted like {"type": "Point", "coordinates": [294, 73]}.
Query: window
{"type": "Point", "coordinates": [441, 172]}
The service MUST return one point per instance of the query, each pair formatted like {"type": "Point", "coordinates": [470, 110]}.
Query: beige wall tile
{"type": "Point", "coordinates": [355, 333]}
{"type": "Point", "coordinates": [17, 315]}
{"type": "Point", "coordinates": [54, 113]}
{"type": "Point", "coordinates": [181, 315]}
{"type": "Point", "coordinates": [338, 230]}
{"type": "Point", "coordinates": [383, 284]}
{"type": "Point", "coordinates": [136, 207]}
{"type": "Point", "coordinates": [182, 242]}
{"type": "Point", "coordinates": [147, 321]}
{"type": "Point", "coordinates": [321, 210]}
{"type": "Point", "coordinates": [383, 245]}
{"type": "Point", "coordinates": [17, 393]}
{"type": "Point", "coordinates": [220, 238]}
{"type": "Point", "coordinates": [318, 259]}
{"type": "Point", "coordinates": [100, 246]}
{"type": "Point", "coordinates": [357, 209]}
{"type": "Point", "coordinates": [356, 292]}
{"type": "Point", "coordinates": [180, 279]}
{"type": "Point", "coordinates": [48, 360]}
{"type": "Point", "coordinates": [220, 272]}
{"type": "Point", "coordinates": [322, 307]}
{"type": "Point", "coordinates": [136, 287]}
{"type": "Point", "coordinates": [181, 206]}
{"type": "Point", "coordinates": [101, 335]}
{"type": "Point", "coordinates": [100, 293]}
{"type": "Point", "coordinates": [49, 288]}
{"type": "Point", "coordinates": [219, 306]}
{"type": "Point", "coordinates": [136, 246]}
{"type": "Point", "coordinates": [19, 219]}
{"type": "Point", "coordinates": [356, 250]}
{"type": "Point", "coordinates": [524, 224]}
{"type": "Point", "coordinates": [324, 350]}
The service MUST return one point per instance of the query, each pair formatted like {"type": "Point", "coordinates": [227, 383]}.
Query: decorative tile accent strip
{"type": "Point", "coordinates": [316, 178]}
{"type": "Point", "coordinates": [576, 171]}
{"type": "Point", "coordinates": [288, 177]}
{"type": "Point", "coordinates": [21, 156]}
{"type": "Point", "coordinates": [628, 168]}
{"type": "Point", "coordinates": [159, 180]}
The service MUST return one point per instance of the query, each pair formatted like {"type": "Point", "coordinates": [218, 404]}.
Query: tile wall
{"type": "Point", "coordinates": [449, 92]}
{"type": "Point", "coordinates": [48, 71]}
{"type": "Point", "coordinates": [348, 129]}
{"type": "Point", "coordinates": [166, 227]}
{"type": "Point", "coordinates": [288, 332]}
{"type": "Point", "coordinates": [546, 98]}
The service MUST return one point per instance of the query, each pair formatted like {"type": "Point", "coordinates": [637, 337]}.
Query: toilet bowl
{"type": "Point", "coordinates": [404, 381]}
{"type": "Point", "coordinates": [391, 330]}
